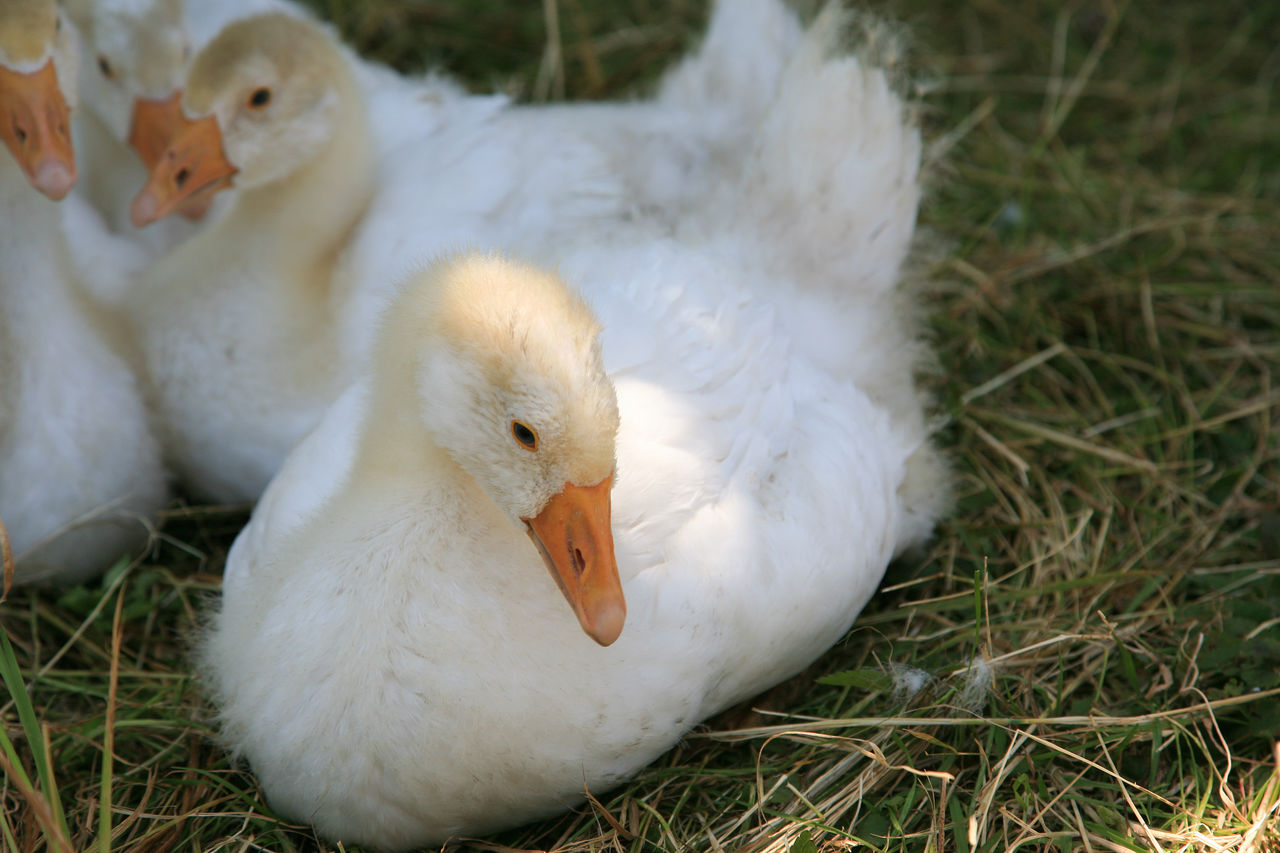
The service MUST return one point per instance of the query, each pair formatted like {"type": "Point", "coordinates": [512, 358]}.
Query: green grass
{"type": "Point", "coordinates": [1107, 324]}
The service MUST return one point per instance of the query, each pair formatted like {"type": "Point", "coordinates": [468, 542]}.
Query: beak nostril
{"type": "Point", "coordinates": [20, 134]}
{"type": "Point", "coordinates": [579, 562]}
{"type": "Point", "coordinates": [181, 178]}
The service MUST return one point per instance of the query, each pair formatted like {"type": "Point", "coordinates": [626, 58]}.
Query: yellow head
{"type": "Point", "coordinates": [506, 364]}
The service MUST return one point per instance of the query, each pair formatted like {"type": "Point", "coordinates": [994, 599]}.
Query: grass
{"type": "Point", "coordinates": [1095, 631]}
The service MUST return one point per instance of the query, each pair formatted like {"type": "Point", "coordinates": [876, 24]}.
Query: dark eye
{"type": "Point", "coordinates": [105, 67]}
{"type": "Point", "coordinates": [524, 435]}
{"type": "Point", "coordinates": [260, 98]}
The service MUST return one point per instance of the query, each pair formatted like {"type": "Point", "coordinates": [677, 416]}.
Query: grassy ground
{"type": "Point", "coordinates": [1096, 630]}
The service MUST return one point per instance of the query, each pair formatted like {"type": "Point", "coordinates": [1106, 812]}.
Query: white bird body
{"type": "Point", "coordinates": [80, 474]}
{"type": "Point", "coordinates": [432, 657]}
{"type": "Point", "coordinates": [458, 182]}
{"type": "Point", "coordinates": [225, 420]}
{"type": "Point", "coordinates": [236, 324]}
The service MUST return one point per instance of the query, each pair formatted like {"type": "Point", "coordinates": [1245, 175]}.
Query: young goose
{"type": "Point", "coordinates": [79, 471]}
{"type": "Point", "coordinates": [37, 98]}
{"type": "Point", "coordinates": [137, 53]}
{"type": "Point", "coordinates": [236, 323]}
{"type": "Point", "coordinates": [136, 59]}
{"type": "Point", "coordinates": [390, 654]}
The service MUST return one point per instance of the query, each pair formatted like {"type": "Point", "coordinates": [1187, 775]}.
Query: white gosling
{"type": "Point", "coordinates": [136, 54]}
{"type": "Point", "coordinates": [236, 323]}
{"type": "Point", "coordinates": [391, 655]}
{"type": "Point", "coordinates": [80, 474]}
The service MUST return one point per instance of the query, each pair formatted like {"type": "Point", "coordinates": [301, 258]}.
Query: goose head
{"type": "Point", "coordinates": [261, 100]}
{"type": "Point", "coordinates": [37, 70]}
{"type": "Point", "coordinates": [505, 365]}
{"type": "Point", "coordinates": [138, 52]}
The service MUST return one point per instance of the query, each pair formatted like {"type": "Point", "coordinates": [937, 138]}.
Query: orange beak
{"type": "Point", "coordinates": [190, 170]}
{"type": "Point", "coordinates": [575, 539]}
{"type": "Point", "coordinates": [155, 120]}
{"type": "Point", "coordinates": [154, 123]}
{"type": "Point", "coordinates": [35, 123]}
